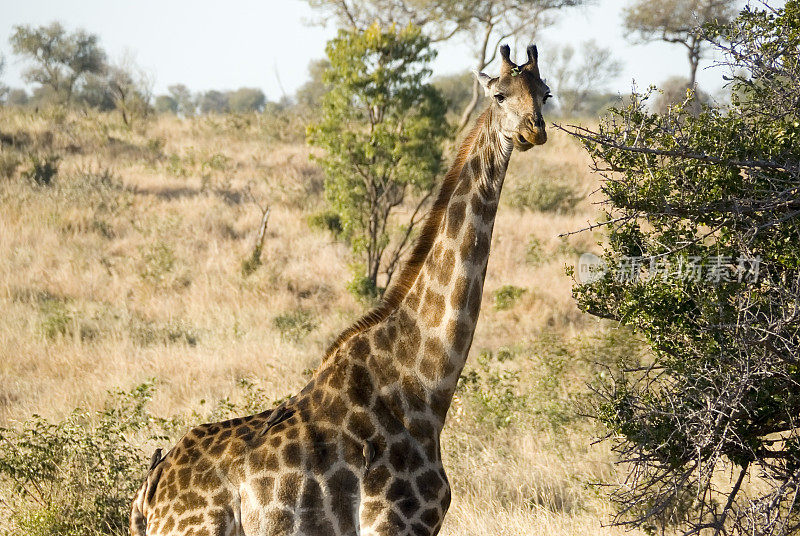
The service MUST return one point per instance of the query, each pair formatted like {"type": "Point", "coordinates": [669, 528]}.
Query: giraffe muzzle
{"type": "Point", "coordinates": [531, 133]}
{"type": "Point", "coordinates": [525, 140]}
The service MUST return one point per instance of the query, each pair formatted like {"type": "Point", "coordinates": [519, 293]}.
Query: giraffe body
{"type": "Point", "coordinates": [357, 450]}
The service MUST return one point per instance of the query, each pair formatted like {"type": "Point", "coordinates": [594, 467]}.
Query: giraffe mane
{"type": "Point", "coordinates": [398, 290]}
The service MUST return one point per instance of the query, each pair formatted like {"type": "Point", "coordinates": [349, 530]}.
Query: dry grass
{"type": "Point", "coordinates": [129, 267]}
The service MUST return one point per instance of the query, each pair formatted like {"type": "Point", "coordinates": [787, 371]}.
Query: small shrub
{"type": "Point", "coordinates": [506, 296]}
{"type": "Point", "coordinates": [566, 249]}
{"type": "Point", "coordinates": [551, 405]}
{"type": "Point", "coordinates": [544, 195]}
{"type": "Point", "coordinates": [42, 170]}
{"type": "Point", "coordinates": [326, 220]}
{"type": "Point", "coordinates": [148, 333]}
{"type": "Point", "coordinates": [9, 161]}
{"type": "Point", "coordinates": [251, 263]}
{"type": "Point", "coordinates": [494, 390]}
{"type": "Point", "coordinates": [175, 166]}
{"type": "Point", "coordinates": [57, 319]}
{"type": "Point", "coordinates": [254, 400]}
{"type": "Point", "coordinates": [294, 325]}
{"type": "Point", "coordinates": [76, 477]}
{"type": "Point", "coordinates": [534, 253]}
{"type": "Point", "coordinates": [363, 288]}
{"type": "Point", "coordinates": [217, 161]}
{"type": "Point", "coordinates": [156, 145]}
{"type": "Point", "coordinates": [159, 261]}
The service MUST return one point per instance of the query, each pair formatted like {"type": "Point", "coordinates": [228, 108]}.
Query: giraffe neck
{"type": "Point", "coordinates": [445, 298]}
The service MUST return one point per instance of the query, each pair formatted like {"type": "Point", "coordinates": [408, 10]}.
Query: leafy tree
{"type": "Point", "coordinates": [17, 97]}
{"type": "Point", "coordinates": [61, 59]}
{"type": "Point", "coordinates": [382, 128]}
{"type": "Point", "coordinates": [574, 79]}
{"type": "Point", "coordinates": [165, 104]}
{"type": "Point", "coordinates": [131, 88]}
{"type": "Point", "coordinates": [703, 253]}
{"type": "Point", "coordinates": [456, 89]}
{"type": "Point", "coordinates": [94, 93]}
{"type": "Point", "coordinates": [214, 101]}
{"type": "Point", "coordinates": [246, 99]}
{"type": "Point", "coordinates": [672, 91]}
{"type": "Point", "coordinates": [676, 21]}
{"type": "Point", "coordinates": [310, 94]}
{"type": "Point", "coordinates": [187, 105]}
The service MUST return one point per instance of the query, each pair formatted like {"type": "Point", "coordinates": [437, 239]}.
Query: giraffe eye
{"type": "Point", "coordinates": [500, 97]}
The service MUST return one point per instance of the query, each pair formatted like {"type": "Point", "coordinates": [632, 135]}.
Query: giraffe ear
{"type": "Point", "coordinates": [486, 81]}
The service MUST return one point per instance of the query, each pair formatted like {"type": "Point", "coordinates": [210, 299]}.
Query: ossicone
{"type": "Point", "coordinates": [533, 54]}
{"type": "Point", "coordinates": [505, 52]}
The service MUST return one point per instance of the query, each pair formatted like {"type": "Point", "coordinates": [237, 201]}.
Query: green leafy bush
{"type": "Point", "coordinates": [217, 162]}
{"type": "Point", "coordinates": [9, 162]}
{"type": "Point", "coordinates": [42, 170]}
{"type": "Point", "coordinates": [57, 319]}
{"type": "Point", "coordinates": [294, 325]}
{"type": "Point", "coordinates": [506, 296]}
{"type": "Point", "coordinates": [493, 389]}
{"type": "Point", "coordinates": [363, 288]}
{"type": "Point", "coordinates": [251, 263]}
{"type": "Point", "coordinates": [544, 195]}
{"type": "Point", "coordinates": [328, 220]}
{"type": "Point", "coordinates": [78, 476]}
{"type": "Point", "coordinates": [535, 253]}
{"type": "Point", "coordinates": [159, 261]}
{"type": "Point", "coordinates": [148, 333]}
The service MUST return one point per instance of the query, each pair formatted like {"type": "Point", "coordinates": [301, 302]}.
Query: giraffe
{"type": "Point", "coordinates": [357, 450]}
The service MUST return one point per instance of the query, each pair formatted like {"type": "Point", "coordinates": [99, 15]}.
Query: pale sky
{"type": "Point", "coordinates": [224, 45]}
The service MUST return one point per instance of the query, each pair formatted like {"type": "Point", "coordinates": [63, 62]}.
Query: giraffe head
{"type": "Point", "coordinates": [518, 95]}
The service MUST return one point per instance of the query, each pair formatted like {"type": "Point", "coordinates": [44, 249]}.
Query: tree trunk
{"type": "Point", "coordinates": [694, 60]}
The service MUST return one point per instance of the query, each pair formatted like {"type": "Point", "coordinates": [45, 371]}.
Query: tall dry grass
{"type": "Point", "coordinates": [129, 267]}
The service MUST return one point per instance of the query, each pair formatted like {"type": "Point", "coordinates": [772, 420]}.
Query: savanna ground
{"type": "Point", "coordinates": [126, 268]}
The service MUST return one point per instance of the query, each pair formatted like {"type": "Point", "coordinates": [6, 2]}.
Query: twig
{"type": "Point", "coordinates": [592, 136]}
{"type": "Point", "coordinates": [599, 224]}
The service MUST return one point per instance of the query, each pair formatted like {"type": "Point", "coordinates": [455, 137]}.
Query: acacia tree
{"type": "Point", "coordinates": [311, 92]}
{"type": "Point", "coordinates": [213, 101]}
{"type": "Point", "coordinates": [677, 21]}
{"type": "Point", "coordinates": [703, 258]}
{"type": "Point", "coordinates": [186, 104]}
{"type": "Point", "coordinates": [246, 99]}
{"type": "Point", "coordinates": [61, 59]}
{"type": "Point", "coordinates": [382, 127]}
